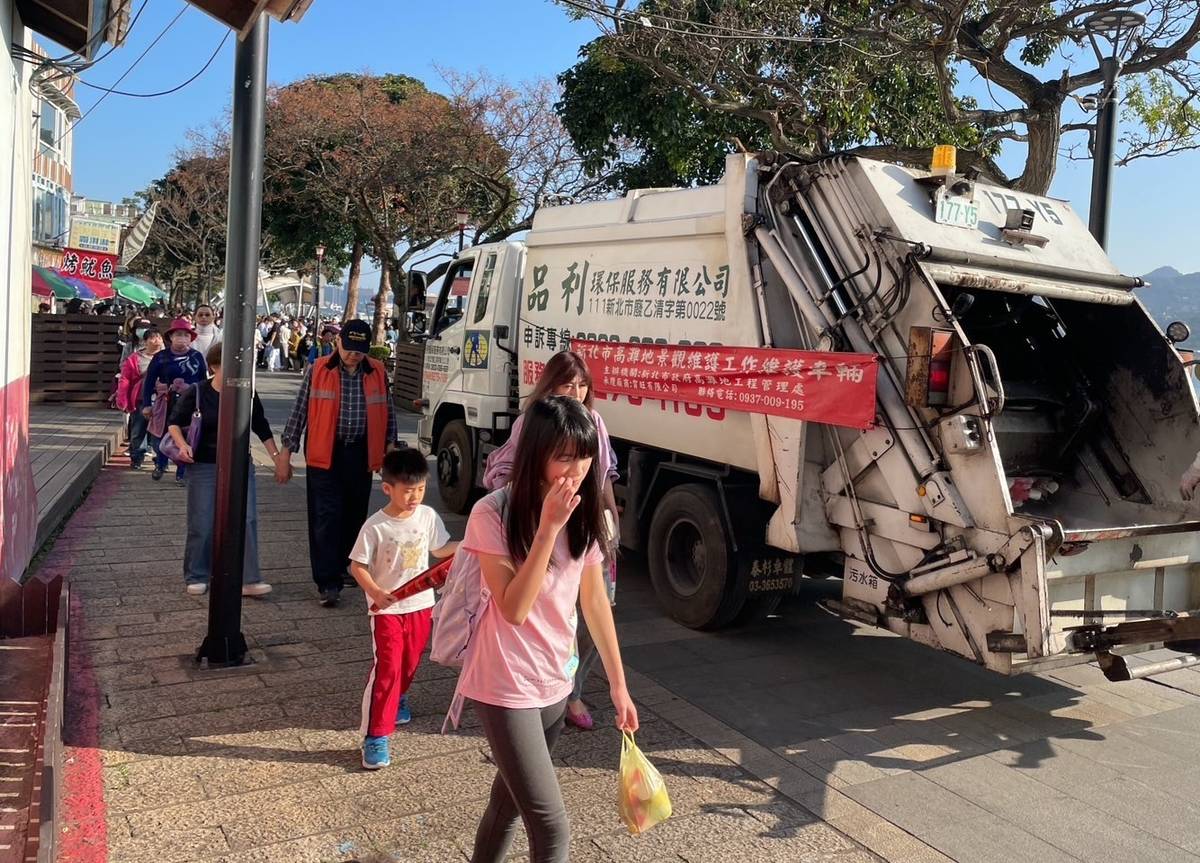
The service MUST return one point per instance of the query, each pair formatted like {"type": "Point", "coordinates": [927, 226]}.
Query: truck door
{"type": "Point", "coordinates": [443, 349]}
{"type": "Point", "coordinates": [485, 365]}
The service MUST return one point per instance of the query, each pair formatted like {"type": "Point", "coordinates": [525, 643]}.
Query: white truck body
{"type": "Point", "coordinates": [1028, 515]}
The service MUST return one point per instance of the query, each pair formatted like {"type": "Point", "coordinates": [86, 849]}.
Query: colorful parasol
{"type": "Point", "coordinates": [46, 280]}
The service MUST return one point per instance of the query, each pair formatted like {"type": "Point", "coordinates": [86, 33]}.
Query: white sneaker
{"type": "Point", "coordinates": [259, 588]}
{"type": "Point", "coordinates": [198, 588]}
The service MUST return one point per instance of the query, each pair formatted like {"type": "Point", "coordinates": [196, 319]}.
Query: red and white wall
{"type": "Point", "coordinates": [18, 497]}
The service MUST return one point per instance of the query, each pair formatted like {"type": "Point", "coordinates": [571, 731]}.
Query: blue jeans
{"type": "Point", "coordinates": [201, 511]}
{"type": "Point", "coordinates": [138, 436]}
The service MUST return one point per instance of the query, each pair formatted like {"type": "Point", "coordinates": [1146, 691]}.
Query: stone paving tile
{"type": "Point", "coordinates": [168, 846]}
{"type": "Point", "coordinates": [334, 845]}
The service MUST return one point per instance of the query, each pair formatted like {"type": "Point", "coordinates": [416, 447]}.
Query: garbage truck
{"type": "Point", "coordinates": [1013, 497]}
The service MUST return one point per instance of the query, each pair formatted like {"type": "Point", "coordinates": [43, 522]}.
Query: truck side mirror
{"type": "Point", "coordinates": [1178, 332]}
{"type": "Point", "coordinates": [418, 286]}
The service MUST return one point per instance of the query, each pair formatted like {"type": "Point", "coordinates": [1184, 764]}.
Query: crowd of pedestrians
{"type": "Point", "coordinates": [542, 544]}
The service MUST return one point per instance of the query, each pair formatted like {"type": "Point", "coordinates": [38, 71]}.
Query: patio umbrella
{"type": "Point", "coordinates": [136, 290]}
{"type": "Point", "coordinates": [81, 288]}
{"type": "Point", "coordinates": [47, 279]}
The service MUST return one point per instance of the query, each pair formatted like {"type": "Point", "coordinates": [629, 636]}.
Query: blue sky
{"type": "Point", "coordinates": [126, 143]}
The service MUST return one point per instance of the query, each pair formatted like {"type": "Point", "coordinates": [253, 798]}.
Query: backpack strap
{"type": "Point", "coordinates": [458, 700]}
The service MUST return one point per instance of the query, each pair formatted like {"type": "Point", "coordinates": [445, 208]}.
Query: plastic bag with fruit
{"type": "Point", "coordinates": [642, 795]}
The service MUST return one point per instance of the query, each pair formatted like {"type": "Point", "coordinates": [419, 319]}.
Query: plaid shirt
{"type": "Point", "coordinates": [352, 417]}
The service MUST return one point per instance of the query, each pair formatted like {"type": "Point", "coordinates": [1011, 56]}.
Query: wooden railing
{"type": "Point", "coordinates": [74, 358]}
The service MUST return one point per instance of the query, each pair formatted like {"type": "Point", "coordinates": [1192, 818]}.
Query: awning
{"type": "Point", "coordinates": [55, 96]}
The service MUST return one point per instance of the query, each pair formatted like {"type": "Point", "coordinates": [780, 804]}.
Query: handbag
{"type": "Point", "coordinates": [167, 445]}
{"type": "Point", "coordinates": [158, 416]}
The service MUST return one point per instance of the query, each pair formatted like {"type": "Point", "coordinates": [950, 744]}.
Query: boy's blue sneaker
{"type": "Point", "coordinates": [403, 715]}
{"type": "Point", "coordinates": [375, 753]}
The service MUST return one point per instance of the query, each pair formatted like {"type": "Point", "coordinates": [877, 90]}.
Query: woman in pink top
{"type": "Point", "coordinates": [538, 550]}
{"type": "Point", "coordinates": [566, 374]}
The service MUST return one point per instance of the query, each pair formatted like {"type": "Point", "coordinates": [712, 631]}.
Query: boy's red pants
{"type": "Point", "coordinates": [399, 641]}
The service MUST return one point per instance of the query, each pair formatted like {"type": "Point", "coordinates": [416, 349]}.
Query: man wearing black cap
{"type": "Point", "coordinates": [344, 411]}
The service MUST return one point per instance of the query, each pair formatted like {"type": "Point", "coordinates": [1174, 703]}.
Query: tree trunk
{"type": "Point", "coordinates": [382, 305]}
{"type": "Point", "coordinates": [1041, 159]}
{"type": "Point", "coordinates": [356, 256]}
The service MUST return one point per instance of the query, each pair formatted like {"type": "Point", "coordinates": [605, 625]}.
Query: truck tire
{"type": "Point", "coordinates": [691, 558]}
{"type": "Point", "coordinates": [455, 467]}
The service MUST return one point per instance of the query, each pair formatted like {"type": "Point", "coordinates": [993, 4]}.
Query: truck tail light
{"type": "Point", "coordinates": [930, 366]}
{"type": "Point", "coordinates": [940, 356]}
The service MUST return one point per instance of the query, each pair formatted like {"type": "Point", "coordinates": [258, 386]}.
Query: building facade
{"type": "Point", "coordinates": [37, 108]}
{"type": "Point", "coordinates": [55, 113]}
{"type": "Point", "coordinates": [96, 226]}
{"type": "Point", "coordinates": [18, 498]}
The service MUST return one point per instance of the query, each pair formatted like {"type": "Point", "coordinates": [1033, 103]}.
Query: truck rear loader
{"type": "Point", "coordinates": [1016, 500]}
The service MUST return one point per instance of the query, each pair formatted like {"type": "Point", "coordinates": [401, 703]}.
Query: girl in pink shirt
{"type": "Point", "coordinates": [538, 549]}
{"type": "Point", "coordinates": [566, 374]}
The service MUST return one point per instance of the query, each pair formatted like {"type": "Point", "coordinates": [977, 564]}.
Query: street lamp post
{"type": "Point", "coordinates": [1114, 35]}
{"type": "Point", "coordinates": [317, 288]}
{"type": "Point", "coordinates": [224, 644]}
{"type": "Point", "coordinates": [460, 217]}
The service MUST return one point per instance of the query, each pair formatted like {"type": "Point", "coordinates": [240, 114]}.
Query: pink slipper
{"type": "Point", "coordinates": [583, 721]}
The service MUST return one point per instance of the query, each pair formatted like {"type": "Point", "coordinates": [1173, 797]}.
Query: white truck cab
{"type": "Point", "coordinates": [470, 358]}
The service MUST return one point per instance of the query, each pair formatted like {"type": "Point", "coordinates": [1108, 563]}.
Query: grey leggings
{"type": "Point", "coordinates": [588, 655]}
{"type": "Point", "coordinates": [522, 741]}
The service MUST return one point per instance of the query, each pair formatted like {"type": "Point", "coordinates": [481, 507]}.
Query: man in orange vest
{"type": "Point", "coordinates": [345, 406]}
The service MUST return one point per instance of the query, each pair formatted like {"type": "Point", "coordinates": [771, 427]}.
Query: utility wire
{"type": "Point", "coordinates": [124, 74]}
{"type": "Point", "coordinates": [69, 69]}
{"type": "Point", "coordinates": [23, 53]}
{"type": "Point", "coordinates": [174, 89]}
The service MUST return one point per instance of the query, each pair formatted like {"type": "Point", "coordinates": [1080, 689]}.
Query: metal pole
{"type": "Point", "coordinates": [461, 231]}
{"type": "Point", "coordinates": [225, 645]}
{"type": "Point", "coordinates": [1102, 157]}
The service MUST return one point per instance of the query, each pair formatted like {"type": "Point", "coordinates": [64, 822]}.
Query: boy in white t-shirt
{"type": "Point", "coordinates": [393, 548]}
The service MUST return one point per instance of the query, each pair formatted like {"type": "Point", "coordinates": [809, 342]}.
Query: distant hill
{"type": "Point", "coordinates": [1172, 296]}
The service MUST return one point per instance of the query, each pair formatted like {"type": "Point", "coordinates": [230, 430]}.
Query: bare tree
{"type": "Point", "coordinates": [193, 201]}
{"type": "Point", "coordinates": [525, 157]}
{"type": "Point", "coordinates": [819, 76]}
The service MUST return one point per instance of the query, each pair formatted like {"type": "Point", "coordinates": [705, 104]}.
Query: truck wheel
{"type": "Point", "coordinates": [455, 467]}
{"type": "Point", "coordinates": [691, 559]}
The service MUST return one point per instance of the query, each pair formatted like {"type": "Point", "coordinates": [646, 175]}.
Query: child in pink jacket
{"type": "Point", "coordinates": [129, 394]}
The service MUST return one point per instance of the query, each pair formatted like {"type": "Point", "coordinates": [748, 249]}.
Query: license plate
{"type": "Point", "coordinates": [960, 212]}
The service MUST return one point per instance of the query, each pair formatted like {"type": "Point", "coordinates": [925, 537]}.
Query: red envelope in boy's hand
{"type": "Point", "coordinates": [433, 577]}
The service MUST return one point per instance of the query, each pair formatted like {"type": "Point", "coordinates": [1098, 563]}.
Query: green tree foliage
{"type": "Point", "coordinates": [880, 78]}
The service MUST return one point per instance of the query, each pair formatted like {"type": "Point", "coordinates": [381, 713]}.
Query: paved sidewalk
{"type": "Point", "coordinates": [260, 764]}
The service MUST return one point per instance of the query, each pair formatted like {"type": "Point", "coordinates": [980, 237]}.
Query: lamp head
{"type": "Point", "coordinates": [1118, 28]}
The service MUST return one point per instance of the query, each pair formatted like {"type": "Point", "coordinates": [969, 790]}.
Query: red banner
{"type": "Point", "coordinates": [95, 269]}
{"type": "Point", "coordinates": [833, 388]}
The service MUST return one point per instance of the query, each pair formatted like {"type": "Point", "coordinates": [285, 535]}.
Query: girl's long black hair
{"type": "Point", "coordinates": [552, 427]}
